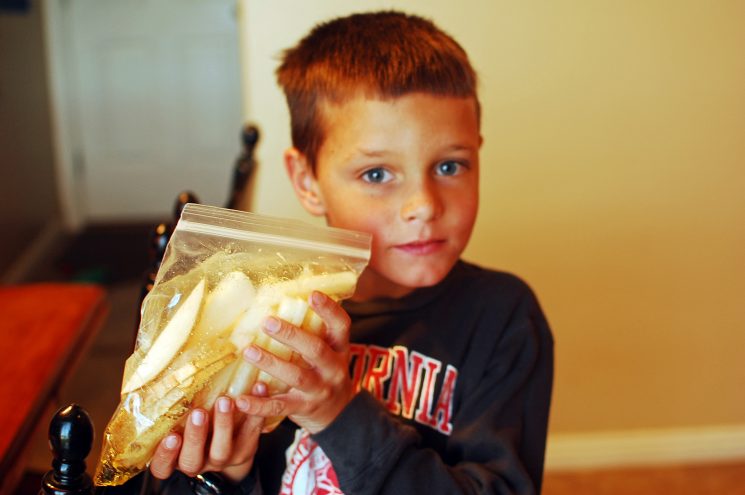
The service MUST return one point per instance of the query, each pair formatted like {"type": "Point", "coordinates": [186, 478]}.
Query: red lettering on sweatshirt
{"type": "Point", "coordinates": [444, 408]}
{"type": "Point", "coordinates": [378, 370]}
{"type": "Point", "coordinates": [403, 388]}
{"type": "Point", "coordinates": [405, 380]}
{"type": "Point", "coordinates": [423, 414]}
{"type": "Point", "coordinates": [356, 364]}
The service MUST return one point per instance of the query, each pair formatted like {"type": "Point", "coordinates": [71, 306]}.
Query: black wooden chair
{"type": "Point", "coordinates": [71, 429]}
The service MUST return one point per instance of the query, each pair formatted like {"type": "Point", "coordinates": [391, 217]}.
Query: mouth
{"type": "Point", "coordinates": [421, 247]}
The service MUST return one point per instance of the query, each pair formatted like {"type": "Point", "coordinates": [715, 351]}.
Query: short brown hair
{"type": "Point", "coordinates": [377, 54]}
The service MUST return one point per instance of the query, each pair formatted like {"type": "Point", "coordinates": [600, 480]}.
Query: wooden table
{"type": "Point", "coordinates": [44, 330]}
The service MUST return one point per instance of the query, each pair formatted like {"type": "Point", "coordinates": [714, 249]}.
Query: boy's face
{"type": "Point", "coordinates": [405, 170]}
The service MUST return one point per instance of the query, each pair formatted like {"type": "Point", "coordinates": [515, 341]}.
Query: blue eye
{"type": "Point", "coordinates": [376, 175]}
{"type": "Point", "coordinates": [449, 167]}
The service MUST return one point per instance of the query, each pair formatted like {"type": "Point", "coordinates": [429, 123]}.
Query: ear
{"type": "Point", "coordinates": [304, 182]}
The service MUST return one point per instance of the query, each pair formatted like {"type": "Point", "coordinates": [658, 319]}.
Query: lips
{"type": "Point", "coordinates": [421, 247]}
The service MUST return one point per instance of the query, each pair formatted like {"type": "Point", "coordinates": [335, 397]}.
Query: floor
{"type": "Point", "coordinates": [714, 479]}
{"type": "Point", "coordinates": [117, 257]}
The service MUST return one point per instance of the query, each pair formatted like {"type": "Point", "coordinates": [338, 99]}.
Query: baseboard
{"type": "Point", "coordinates": [645, 447]}
{"type": "Point", "coordinates": [35, 253]}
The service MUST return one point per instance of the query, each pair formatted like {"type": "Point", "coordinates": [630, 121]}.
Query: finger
{"type": "Point", "coordinates": [289, 373]}
{"type": "Point", "coordinates": [313, 349]}
{"type": "Point", "coordinates": [247, 438]}
{"type": "Point", "coordinates": [221, 445]}
{"type": "Point", "coordinates": [166, 454]}
{"type": "Point", "coordinates": [337, 320]}
{"type": "Point", "coordinates": [264, 407]}
{"type": "Point", "coordinates": [195, 439]}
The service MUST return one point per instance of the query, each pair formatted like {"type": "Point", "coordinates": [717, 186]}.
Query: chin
{"type": "Point", "coordinates": [419, 278]}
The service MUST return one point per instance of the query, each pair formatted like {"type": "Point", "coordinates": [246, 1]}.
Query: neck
{"type": "Point", "coordinates": [372, 285]}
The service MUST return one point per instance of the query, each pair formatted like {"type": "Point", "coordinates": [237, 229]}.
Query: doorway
{"type": "Point", "coordinates": [148, 104]}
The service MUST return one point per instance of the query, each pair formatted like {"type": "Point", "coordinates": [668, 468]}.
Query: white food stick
{"type": "Point", "coordinates": [292, 310]}
{"type": "Point", "coordinates": [313, 323]}
{"type": "Point", "coordinates": [168, 342]}
{"type": "Point", "coordinates": [249, 324]}
{"type": "Point", "coordinates": [338, 284]}
{"type": "Point", "coordinates": [225, 303]}
{"type": "Point", "coordinates": [219, 386]}
{"type": "Point", "coordinates": [243, 379]}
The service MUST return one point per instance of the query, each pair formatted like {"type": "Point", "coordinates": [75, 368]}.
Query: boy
{"type": "Point", "coordinates": [451, 364]}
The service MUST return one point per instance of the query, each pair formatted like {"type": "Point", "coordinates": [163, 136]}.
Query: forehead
{"type": "Point", "coordinates": [384, 122]}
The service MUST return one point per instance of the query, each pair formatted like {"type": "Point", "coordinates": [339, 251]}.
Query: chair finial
{"type": "Point", "coordinates": [70, 437]}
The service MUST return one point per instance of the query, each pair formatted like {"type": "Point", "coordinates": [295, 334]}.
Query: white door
{"type": "Point", "coordinates": [157, 100]}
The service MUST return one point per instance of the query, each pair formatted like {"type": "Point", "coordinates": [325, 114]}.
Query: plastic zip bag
{"type": "Point", "coordinates": [222, 274]}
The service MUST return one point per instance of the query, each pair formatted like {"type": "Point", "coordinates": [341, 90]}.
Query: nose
{"type": "Point", "coordinates": [421, 204]}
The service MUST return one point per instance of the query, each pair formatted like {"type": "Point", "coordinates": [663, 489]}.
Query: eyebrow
{"type": "Point", "coordinates": [372, 153]}
{"type": "Point", "coordinates": [459, 147]}
{"type": "Point", "coordinates": [380, 153]}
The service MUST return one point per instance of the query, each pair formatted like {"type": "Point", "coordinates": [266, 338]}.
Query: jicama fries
{"type": "Point", "coordinates": [195, 359]}
{"type": "Point", "coordinates": [224, 272]}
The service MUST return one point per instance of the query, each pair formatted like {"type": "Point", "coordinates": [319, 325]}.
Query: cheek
{"type": "Point", "coordinates": [364, 218]}
{"type": "Point", "coordinates": [469, 215]}
{"type": "Point", "coordinates": [464, 215]}
{"type": "Point", "coordinates": [372, 223]}
{"type": "Point", "coordinates": [356, 214]}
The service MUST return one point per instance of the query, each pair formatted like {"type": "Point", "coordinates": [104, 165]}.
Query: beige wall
{"type": "Point", "coordinates": [613, 181]}
{"type": "Point", "coordinates": [28, 197]}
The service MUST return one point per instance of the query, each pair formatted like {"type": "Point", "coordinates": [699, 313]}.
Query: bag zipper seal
{"type": "Point", "coordinates": [275, 239]}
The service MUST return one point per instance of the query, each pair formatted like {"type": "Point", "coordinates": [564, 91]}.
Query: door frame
{"type": "Point", "coordinates": [64, 123]}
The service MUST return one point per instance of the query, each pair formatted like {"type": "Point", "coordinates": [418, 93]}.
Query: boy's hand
{"type": "Point", "coordinates": [321, 389]}
{"type": "Point", "coordinates": [230, 451]}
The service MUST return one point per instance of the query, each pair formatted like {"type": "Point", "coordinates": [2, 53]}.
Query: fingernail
{"type": "Point", "coordinates": [241, 404]}
{"type": "Point", "coordinates": [271, 325]}
{"type": "Point", "coordinates": [251, 353]}
{"type": "Point", "coordinates": [317, 297]}
{"type": "Point", "coordinates": [171, 441]}
{"type": "Point", "coordinates": [197, 418]}
{"type": "Point", "coordinates": [259, 388]}
{"type": "Point", "coordinates": [223, 404]}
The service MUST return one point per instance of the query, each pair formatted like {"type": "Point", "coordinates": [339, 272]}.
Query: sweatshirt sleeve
{"type": "Point", "coordinates": [249, 485]}
{"type": "Point", "coordinates": [499, 430]}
